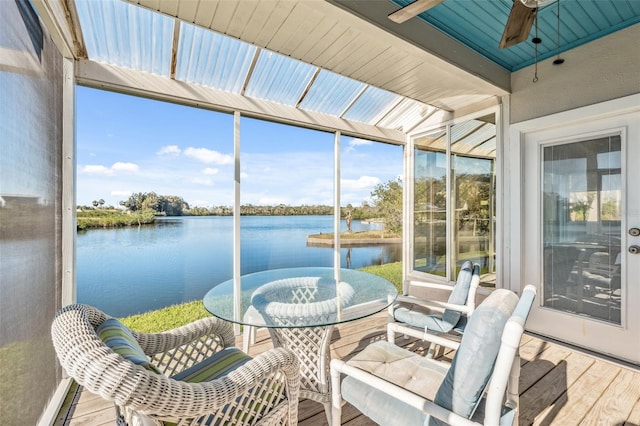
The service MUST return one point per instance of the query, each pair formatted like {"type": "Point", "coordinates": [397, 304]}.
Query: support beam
{"type": "Point", "coordinates": [124, 80]}
{"type": "Point", "coordinates": [61, 19]}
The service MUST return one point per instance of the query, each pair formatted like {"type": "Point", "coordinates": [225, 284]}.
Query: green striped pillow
{"type": "Point", "coordinates": [214, 367]}
{"type": "Point", "coordinates": [120, 339]}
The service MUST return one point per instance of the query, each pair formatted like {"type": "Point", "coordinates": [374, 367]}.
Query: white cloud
{"type": "Point", "coordinates": [202, 181]}
{"type": "Point", "coordinates": [208, 156]}
{"type": "Point", "coordinates": [121, 193]}
{"type": "Point", "coordinates": [363, 182]}
{"type": "Point", "coordinates": [244, 175]}
{"type": "Point", "coordinates": [169, 150]}
{"type": "Point", "coordinates": [210, 171]}
{"type": "Point", "coordinates": [95, 170]}
{"type": "Point", "coordinates": [125, 167]}
{"type": "Point", "coordinates": [355, 142]}
{"type": "Point", "coordinates": [358, 142]}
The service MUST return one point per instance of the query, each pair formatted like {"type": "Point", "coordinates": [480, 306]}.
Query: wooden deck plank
{"type": "Point", "coordinates": [634, 416]}
{"type": "Point", "coordinates": [538, 367]}
{"type": "Point", "coordinates": [583, 394]}
{"type": "Point", "coordinates": [617, 401]}
{"type": "Point", "coordinates": [549, 394]}
{"type": "Point", "coordinates": [532, 349]}
{"type": "Point", "coordinates": [576, 366]}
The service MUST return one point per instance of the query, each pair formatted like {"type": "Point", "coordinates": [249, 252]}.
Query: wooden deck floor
{"type": "Point", "coordinates": [558, 385]}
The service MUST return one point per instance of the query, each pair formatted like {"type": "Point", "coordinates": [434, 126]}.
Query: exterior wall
{"type": "Point", "coordinates": [605, 69]}
{"type": "Point", "coordinates": [31, 87]}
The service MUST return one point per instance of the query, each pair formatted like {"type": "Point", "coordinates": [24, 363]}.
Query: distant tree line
{"type": "Point", "coordinates": [169, 205]}
{"type": "Point", "coordinates": [386, 206]}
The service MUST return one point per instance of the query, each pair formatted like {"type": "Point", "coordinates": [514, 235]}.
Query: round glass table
{"type": "Point", "coordinates": [300, 306]}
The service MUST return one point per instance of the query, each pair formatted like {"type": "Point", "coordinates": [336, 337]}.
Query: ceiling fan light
{"type": "Point", "coordinates": [536, 3]}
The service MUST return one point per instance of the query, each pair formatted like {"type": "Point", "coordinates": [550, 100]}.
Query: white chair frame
{"type": "Point", "coordinates": [502, 390]}
{"type": "Point", "coordinates": [443, 339]}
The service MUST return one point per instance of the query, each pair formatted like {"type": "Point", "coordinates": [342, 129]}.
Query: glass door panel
{"type": "Point", "coordinates": [473, 187]}
{"type": "Point", "coordinates": [430, 204]}
{"type": "Point", "coordinates": [581, 228]}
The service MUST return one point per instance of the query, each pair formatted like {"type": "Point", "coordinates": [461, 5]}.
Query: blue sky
{"type": "Point", "coordinates": [127, 144]}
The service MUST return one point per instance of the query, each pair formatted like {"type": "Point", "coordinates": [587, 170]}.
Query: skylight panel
{"type": "Point", "coordinates": [471, 132]}
{"type": "Point", "coordinates": [212, 59]}
{"type": "Point", "coordinates": [125, 35]}
{"type": "Point", "coordinates": [473, 136]}
{"type": "Point", "coordinates": [371, 105]}
{"type": "Point", "coordinates": [279, 78]}
{"type": "Point", "coordinates": [331, 93]}
{"type": "Point", "coordinates": [405, 115]}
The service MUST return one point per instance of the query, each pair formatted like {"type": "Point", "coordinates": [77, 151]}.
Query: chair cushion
{"type": "Point", "coordinates": [214, 367]}
{"type": "Point", "coordinates": [379, 406]}
{"type": "Point", "coordinates": [473, 362]}
{"type": "Point", "coordinates": [459, 293]}
{"type": "Point", "coordinates": [418, 316]}
{"type": "Point", "coordinates": [400, 367]}
{"type": "Point", "coordinates": [120, 339]}
{"type": "Point", "coordinates": [421, 317]}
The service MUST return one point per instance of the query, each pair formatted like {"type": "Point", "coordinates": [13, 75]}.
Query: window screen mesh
{"type": "Point", "coordinates": [31, 77]}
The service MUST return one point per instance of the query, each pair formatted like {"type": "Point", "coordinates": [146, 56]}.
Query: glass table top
{"type": "Point", "coordinates": [301, 297]}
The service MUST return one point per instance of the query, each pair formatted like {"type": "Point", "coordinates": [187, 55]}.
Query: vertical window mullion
{"type": "Point", "coordinates": [450, 211]}
{"type": "Point", "coordinates": [336, 208]}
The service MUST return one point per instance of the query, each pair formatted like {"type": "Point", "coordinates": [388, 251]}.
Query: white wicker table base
{"type": "Point", "coordinates": [311, 345]}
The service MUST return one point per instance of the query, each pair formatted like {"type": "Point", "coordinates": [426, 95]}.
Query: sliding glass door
{"type": "Point", "coordinates": [454, 199]}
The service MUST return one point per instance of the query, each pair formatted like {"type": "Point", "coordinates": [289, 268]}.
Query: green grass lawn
{"type": "Point", "coordinates": [177, 315]}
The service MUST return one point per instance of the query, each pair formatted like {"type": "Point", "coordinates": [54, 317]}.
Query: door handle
{"type": "Point", "coordinates": [634, 249]}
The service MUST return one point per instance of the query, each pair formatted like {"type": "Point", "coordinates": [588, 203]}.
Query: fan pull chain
{"type": "Point", "coordinates": [558, 59]}
{"type": "Point", "coordinates": [536, 41]}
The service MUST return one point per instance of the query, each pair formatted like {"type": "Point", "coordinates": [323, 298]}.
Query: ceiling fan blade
{"type": "Point", "coordinates": [518, 25]}
{"type": "Point", "coordinates": [413, 9]}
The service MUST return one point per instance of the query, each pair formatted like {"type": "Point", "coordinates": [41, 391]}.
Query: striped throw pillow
{"type": "Point", "coordinates": [120, 339]}
{"type": "Point", "coordinates": [214, 367]}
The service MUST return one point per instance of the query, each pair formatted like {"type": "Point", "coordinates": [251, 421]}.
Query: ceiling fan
{"type": "Point", "coordinates": [516, 30]}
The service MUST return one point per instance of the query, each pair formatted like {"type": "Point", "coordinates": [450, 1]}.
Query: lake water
{"type": "Point", "coordinates": [136, 269]}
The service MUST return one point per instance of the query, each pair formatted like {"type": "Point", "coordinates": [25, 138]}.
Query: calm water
{"type": "Point", "coordinates": [131, 270]}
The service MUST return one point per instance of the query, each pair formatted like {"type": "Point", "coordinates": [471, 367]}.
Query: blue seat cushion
{"type": "Point", "coordinates": [415, 316]}
{"type": "Point", "coordinates": [421, 317]}
{"type": "Point", "coordinates": [378, 406]}
{"type": "Point", "coordinates": [459, 293]}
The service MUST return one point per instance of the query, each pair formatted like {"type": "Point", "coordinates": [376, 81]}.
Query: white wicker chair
{"type": "Point", "coordinates": [394, 386]}
{"type": "Point", "coordinates": [443, 321]}
{"type": "Point", "coordinates": [262, 391]}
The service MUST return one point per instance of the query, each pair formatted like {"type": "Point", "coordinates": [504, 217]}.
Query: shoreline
{"type": "Point", "coordinates": [315, 241]}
